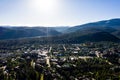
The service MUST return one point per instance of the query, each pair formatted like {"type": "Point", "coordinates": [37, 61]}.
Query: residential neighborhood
{"type": "Point", "coordinates": [61, 61]}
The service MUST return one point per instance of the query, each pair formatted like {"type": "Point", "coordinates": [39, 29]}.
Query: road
{"type": "Point", "coordinates": [48, 61]}
{"type": "Point", "coordinates": [50, 49]}
{"type": "Point", "coordinates": [42, 77]}
{"type": "Point", "coordinates": [64, 48]}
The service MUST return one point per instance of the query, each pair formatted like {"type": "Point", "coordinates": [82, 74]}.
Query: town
{"type": "Point", "coordinates": [85, 61]}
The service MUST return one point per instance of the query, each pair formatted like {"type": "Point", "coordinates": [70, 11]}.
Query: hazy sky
{"type": "Point", "coordinates": [56, 12]}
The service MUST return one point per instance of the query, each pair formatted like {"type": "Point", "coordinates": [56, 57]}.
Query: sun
{"type": "Point", "coordinates": [44, 6]}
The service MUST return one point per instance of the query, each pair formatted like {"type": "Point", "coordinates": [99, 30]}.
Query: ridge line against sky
{"type": "Point", "coordinates": [56, 12]}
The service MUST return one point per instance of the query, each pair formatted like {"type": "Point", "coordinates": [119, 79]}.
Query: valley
{"type": "Point", "coordinates": [86, 52]}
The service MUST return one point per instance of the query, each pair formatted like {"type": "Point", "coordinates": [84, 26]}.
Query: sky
{"type": "Point", "coordinates": [56, 12]}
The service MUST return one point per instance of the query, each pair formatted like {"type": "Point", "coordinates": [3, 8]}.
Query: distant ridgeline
{"type": "Point", "coordinates": [107, 30]}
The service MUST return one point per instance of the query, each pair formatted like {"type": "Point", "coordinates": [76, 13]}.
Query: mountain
{"type": "Point", "coordinates": [64, 39]}
{"type": "Point", "coordinates": [77, 37]}
{"type": "Point", "coordinates": [60, 29]}
{"type": "Point", "coordinates": [106, 25]}
{"type": "Point", "coordinates": [23, 32]}
{"type": "Point", "coordinates": [107, 30]}
{"type": "Point", "coordinates": [111, 26]}
{"type": "Point", "coordinates": [112, 23]}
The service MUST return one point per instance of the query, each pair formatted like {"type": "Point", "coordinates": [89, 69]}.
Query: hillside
{"type": "Point", "coordinates": [101, 25]}
{"type": "Point", "coordinates": [24, 32]}
{"type": "Point", "coordinates": [107, 30]}
{"type": "Point", "coordinates": [111, 26]}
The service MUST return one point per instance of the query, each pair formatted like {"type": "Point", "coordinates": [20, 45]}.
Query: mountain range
{"type": "Point", "coordinates": [26, 32]}
{"type": "Point", "coordinates": [106, 30]}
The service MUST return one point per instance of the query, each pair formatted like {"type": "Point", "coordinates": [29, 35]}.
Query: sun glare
{"type": "Point", "coordinates": [44, 6]}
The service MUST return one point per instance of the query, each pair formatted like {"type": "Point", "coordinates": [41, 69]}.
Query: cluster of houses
{"type": "Point", "coordinates": [61, 55]}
